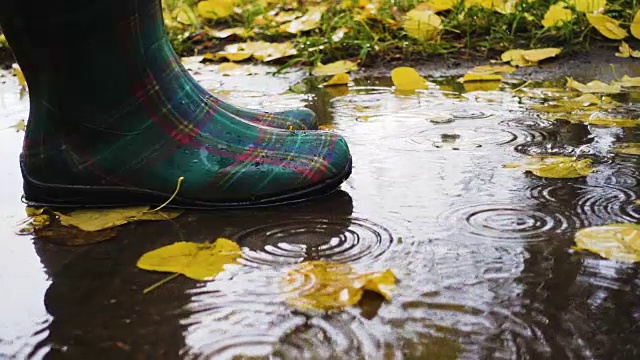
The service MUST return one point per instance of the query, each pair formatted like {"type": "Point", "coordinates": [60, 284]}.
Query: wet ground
{"type": "Point", "coordinates": [482, 253]}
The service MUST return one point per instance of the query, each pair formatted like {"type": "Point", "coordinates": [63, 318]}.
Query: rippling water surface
{"type": "Point", "coordinates": [482, 253]}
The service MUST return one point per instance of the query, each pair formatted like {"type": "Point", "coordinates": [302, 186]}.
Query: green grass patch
{"type": "Point", "coordinates": [466, 31]}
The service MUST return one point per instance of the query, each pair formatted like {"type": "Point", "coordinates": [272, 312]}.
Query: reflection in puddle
{"type": "Point", "coordinates": [482, 254]}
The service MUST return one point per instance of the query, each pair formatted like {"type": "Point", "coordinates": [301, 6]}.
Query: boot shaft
{"type": "Point", "coordinates": [75, 52]}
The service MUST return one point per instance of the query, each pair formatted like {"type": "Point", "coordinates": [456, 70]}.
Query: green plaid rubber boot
{"type": "Point", "coordinates": [116, 120]}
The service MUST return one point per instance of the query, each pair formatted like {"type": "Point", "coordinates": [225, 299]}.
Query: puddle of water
{"type": "Point", "coordinates": [482, 253]}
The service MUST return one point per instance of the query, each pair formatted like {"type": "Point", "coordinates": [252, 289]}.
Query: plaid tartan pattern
{"type": "Point", "coordinates": [296, 119]}
{"type": "Point", "coordinates": [114, 107]}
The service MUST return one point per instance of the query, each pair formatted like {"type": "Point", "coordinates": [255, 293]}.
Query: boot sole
{"type": "Point", "coordinates": [38, 194]}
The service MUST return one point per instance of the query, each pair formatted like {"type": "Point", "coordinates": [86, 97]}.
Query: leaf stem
{"type": "Point", "coordinates": [180, 180]}
{"type": "Point", "coordinates": [159, 283]}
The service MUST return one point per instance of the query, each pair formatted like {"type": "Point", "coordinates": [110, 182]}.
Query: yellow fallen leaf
{"type": "Point", "coordinates": [342, 66]}
{"type": "Point", "coordinates": [308, 21]}
{"type": "Point", "coordinates": [260, 50]}
{"type": "Point", "coordinates": [215, 9]}
{"type": "Point", "coordinates": [596, 119]}
{"type": "Point", "coordinates": [480, 77]}
{"type": "Point", "coordinates": [407, 79]}
{"type": "Point", "coordinates": [229, 68]}
{"type": "Point", "coordinates": [422, 24]}
{"type": "Point", "coordinates": [556, 15]}
{"type": "Point", "coordinates": [19, 126]}
{"type": "Point", "coordinates": [337, 91]}
{"type": "Point", "coordinates": [332, 286]}
{"type": "Point", "coordinates": [627, 148]}
{"type": "Point", "coordinates": [582, 102]}
{"type": "Point", "coordinates": [286, 16]}
{"type": "Point", "coordinates": [607, 26]}
{"type": "Point", "coordinates": [98, 219]}
{"type": "Point", "coordinates": [194, 260]}
{"type": "Point", "coordinates": [635, 26]}
{"type": "Point", "coordinates": [487, 4]}
{"type": "Point", "coordinates": [514, 56]}
{"type": "Point", "coordinates": [492, 69]}
{"type": "Point", "coordinates": [481, 85]}
{"type": "Point", "coordinates": [619, 242]}
{"type": "Point", "coordinates": [338, 79]}
{"type": "Point", "coordinates": [589, 6]}
{"type": "Point", "coordinates": [221, 34]}
{"type": "Point", "coordinates": [436, 6]}
{"type": "Point", "coordinates": [585, 100]}
{"type": "Point", "coordinates": [72, 236]}
{"type": "Point", "coordinates": [628, 81]}
{"type": "Point", "coordinates": [233, 56]}
{"type": "Point", "coordinates": [595, 86]}
{"type": "Point", "coordinates": [520, 57]}
{"type": "Point", "coordinates": [36, 219]}
{"type": "Point", "coordinates": [536, 55]}
{"type": "Point", "coordinates": [272, 51]}
{"type": "Point", "coordinates": [555, 166]}
{"type": "Point", "coordinates": [626, 51]}
{"type": "Point", "coordinates": [18, 73]}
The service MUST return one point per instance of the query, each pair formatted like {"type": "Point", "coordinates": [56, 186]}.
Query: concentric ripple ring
{"type": "Point", "coordinates": [506, 222]}
{"type": "Point", "coordinates": [336, 239]}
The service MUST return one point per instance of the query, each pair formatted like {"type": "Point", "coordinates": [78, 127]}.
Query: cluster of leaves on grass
{"type": "Point", "coordinates": [391, 29]}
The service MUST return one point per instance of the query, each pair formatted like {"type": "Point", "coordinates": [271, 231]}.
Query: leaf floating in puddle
{"type": "Point", "coordinates": [99, 219]}
{"type": "Point", "coordinates": [481, 85]}
{"type": "Point", "coordinates": [18, 73]}
{"type": "Point", "coordinates": [19, 126]}
{"type": "Point", "coordinates": [628, 81]}
{"type": "Point", "coordinates": [334, 68]}
{"type": "Point", "coordinates": [337, 79]}
{"type": "Point", "coordinates": [582, 102]}
{"type": "Point", "coordinates": [604, 120]}
{"type": "Point", "coordinates": [615, 241]}
{"type": "Point", "coordinates": [36, 219]}
{"type": "Point", "coordinates": [407, 79]}
{"type": "Point", "coordinates": [330, 286]}
{"type": "Point", "coordinates": [194, 260]}
{"type": "Point", "coordinates": [71, 236]}
{"type": "Point", "coordinates": [595, 86]}
{"type": "Point", "coordinates": [229, 68]}
{"type": "Point", "coordinates": [480, 77]}
{"type": "Point", "coordinates": [559, 167]}
{"type": "Point", "coordinates": [627, 148]}
{"type": "Point", "coordinates": [441, 119]}
{"type": "Point", "coordinates": [607, 26]}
